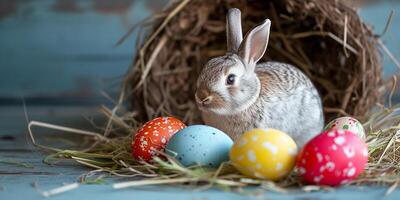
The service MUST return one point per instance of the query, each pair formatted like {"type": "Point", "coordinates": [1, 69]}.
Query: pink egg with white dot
{"type": "Point", "coordinates": [332, 158]}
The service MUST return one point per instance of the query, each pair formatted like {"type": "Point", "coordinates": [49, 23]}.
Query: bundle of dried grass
{"type": "Point", "coordinates": [326, 39]}
{"type": "Point", "coordinates": [112, 155]}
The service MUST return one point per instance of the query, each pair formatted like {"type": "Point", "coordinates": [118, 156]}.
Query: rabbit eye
{"type": "Point", "coordinates": [231, 79]}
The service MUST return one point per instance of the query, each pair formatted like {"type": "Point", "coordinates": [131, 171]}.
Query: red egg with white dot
{"type": "Point", "coordinates": [153, 137]}
{"type": "Point", "coordinates": [332, 158]}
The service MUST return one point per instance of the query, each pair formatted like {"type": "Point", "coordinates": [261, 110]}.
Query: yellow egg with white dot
{"type": "Point", "coordinates": [266, 154]}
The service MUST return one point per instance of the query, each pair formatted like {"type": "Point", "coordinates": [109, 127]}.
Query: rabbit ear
{"type": "Point", "coordinates": [234, 33]}
{"type": "Point", "coordinates": [255, 44]}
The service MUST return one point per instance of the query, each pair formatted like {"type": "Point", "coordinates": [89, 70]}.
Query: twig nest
{"type": "Point", "coordinates": [325, 39]}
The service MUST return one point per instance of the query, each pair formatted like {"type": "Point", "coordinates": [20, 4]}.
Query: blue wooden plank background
{"type": "Point", "coordinates": [59, 55]}
{"type": "Point", "coordinates": [377, 15]}
{"type": "Point", "coordinates": [66, 47]}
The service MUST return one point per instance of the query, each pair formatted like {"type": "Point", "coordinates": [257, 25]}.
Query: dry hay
{"type": "Point", "coordinates": [112, 156]}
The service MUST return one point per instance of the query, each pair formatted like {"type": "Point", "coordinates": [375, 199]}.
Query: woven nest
{"type": "Point", "coordinates": [327, 40]}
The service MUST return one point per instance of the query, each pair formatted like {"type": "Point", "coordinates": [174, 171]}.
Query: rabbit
{"type": "Point", "coordinates": [235, 94]}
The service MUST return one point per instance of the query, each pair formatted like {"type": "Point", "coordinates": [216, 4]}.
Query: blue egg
{"type": "Point", "coordinates": [200, 145]}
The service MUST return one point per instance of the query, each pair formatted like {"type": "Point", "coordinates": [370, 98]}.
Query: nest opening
{"type": "Point", "coordinates": [325, 39]}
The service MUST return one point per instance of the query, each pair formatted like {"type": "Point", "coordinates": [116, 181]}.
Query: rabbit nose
{"type": "Point", "coordinates": [206, 100]}
{"type": "Point", "coordinates": [203, 97]}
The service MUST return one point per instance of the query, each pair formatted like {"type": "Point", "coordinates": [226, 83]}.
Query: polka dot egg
{"type": "Point", "coordinates": [266, 154]}
{"type": "Point", "coordinates": [333, 157]}
{"type": "Point", "coordinates": [153, 137]}
{"type": "Point", "coordinates": [349, 124]}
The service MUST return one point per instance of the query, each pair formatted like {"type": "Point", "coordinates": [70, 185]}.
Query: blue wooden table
{"type": "Point", "coordinates": [58, 55]}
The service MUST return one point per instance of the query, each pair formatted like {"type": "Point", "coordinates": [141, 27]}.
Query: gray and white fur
{"type": "Point", "coordinates": [235, 94]}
